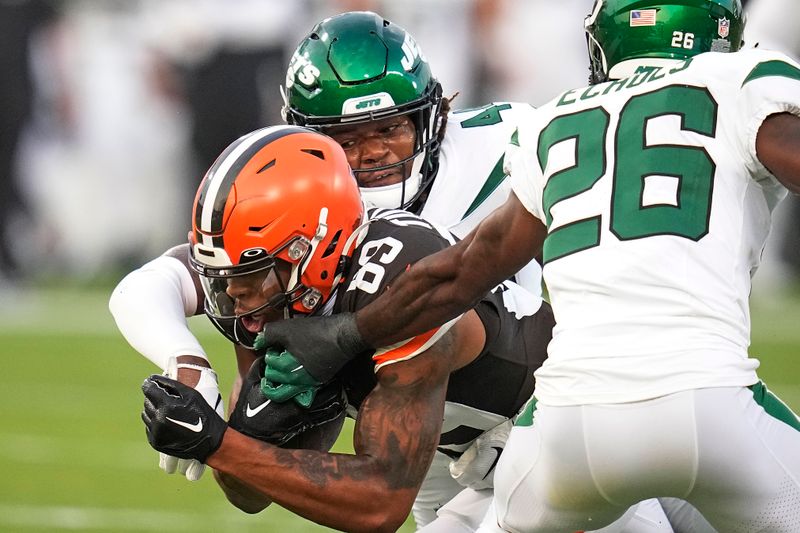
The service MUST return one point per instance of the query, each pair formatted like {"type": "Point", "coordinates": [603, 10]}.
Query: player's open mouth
{"type": "Point", "coordinates": [253, 323]}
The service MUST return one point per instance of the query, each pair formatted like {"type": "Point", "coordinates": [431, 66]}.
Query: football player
{"type": "Point", "coordinates": [279, 230]}
{"type": "Point", "coordinates": [650, 194]}
{"type": "Point", "coordinates": [471, 154]}
{"type": "Point", "coordinates": [364, 81]}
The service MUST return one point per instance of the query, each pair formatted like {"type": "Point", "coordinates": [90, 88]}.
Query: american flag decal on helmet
{"type": "Point", "coordinates": [643, 17]}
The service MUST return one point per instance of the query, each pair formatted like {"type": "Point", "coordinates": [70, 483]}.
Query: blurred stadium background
{"type": "Point", "coordinates": [110, 112]}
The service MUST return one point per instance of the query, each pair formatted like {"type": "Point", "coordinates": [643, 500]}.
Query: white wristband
{"type": "Point", "coordinates": [195, 367]}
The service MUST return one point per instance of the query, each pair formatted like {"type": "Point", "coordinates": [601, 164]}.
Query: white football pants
{"type": "Point", "coordinates": [464, 513]}
{"type": "Point", "coordinates": [580, 467]}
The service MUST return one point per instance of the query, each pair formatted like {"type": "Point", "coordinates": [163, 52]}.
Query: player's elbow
{"type": "Point", "coordinates": [241, 496]}
{"type": "Point", "coordinates": [388, 522]}
{"type": "Point", "coordinates": [247, 505]}
{"type": "Point", "coordinates": [124, 301]}
{"type": "Point", "coordinates": [117, 300]}
{"type": "Point", "coordinates": [389, 526]}
{"type": "Point", "coordinates": [389, 512]}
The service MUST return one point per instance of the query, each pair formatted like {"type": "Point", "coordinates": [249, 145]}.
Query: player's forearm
{"type": "Point", "coordinates": [150, 306]}
{"type": "Point", "coordinates": [341, 491]}
{"type": "Point", "coordinates": [438, 288]}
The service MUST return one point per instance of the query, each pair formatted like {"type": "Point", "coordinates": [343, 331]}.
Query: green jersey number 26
{"type": "Point", "coordinates": [634, 161]}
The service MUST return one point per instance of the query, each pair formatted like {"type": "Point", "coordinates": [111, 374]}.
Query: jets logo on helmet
{"type": "Point", "coordinates": [301, 69]}
{"type": "Point", "coordinates": [280, 197]}
{"type": "Point", "coordinates": [371, 102]}
{"type": "Point", "coordinates": [411, 52]}
{"type": "Point", "coordinates": [623, 35]}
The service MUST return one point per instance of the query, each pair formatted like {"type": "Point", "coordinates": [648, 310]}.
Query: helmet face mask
{"type": "Point", "coordinates": [257, 286]}
{"type": "Point", "coordinates": [356, 68]}
{"type": "Point", "coordinates": [384, 153]}
{"type": "Point", "coordinates": [260, 281]}
{"type": "Point", "coordinates": [625, 34]}
{"type": "Point", "coordinates": [274, 222]}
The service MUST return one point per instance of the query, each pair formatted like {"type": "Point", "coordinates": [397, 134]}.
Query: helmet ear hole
{"type": "Point", "coordinates": [332, 246]}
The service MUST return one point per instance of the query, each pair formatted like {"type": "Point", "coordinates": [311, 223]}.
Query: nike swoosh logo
{"type": "Point", "coordinates": [494, 463]}
{"type": "Point", "coordinates": [197, 428]}
{"type": "Point", "coordinates": [250, 412]}
{"type": "Point", "coordinates": [298, 368]}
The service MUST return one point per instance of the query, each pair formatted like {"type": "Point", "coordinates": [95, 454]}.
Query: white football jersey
{"type": "Point", "coordinates": [470, 182]}
{"type": "Point", "coordinates": [657, 211]}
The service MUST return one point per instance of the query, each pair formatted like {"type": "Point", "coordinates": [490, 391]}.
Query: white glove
{"type": "Point", "coordinates": [208, 387]}
{"type": "Point", "coordinates": [475, 467]}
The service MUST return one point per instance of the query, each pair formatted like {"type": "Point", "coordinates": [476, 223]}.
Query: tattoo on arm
{"type": "Point", "coordinates": [397, 430]}
{"type": "Point", "coordinates": [401, 423]}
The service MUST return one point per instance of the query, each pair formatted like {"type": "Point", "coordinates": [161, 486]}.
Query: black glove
{"type": "Point", "coordinates": [179, 421]}
{"type": "Point", "coordinates": [280, 423]}
{"type": "Point", "coordinates": [322, 344]}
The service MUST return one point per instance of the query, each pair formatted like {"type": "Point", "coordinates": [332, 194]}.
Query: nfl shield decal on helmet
{"type": "Point", "coordinates": [723, 27]}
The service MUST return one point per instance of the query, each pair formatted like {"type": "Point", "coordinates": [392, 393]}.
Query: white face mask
{"type": "Point", "coordinates": [393, 196]}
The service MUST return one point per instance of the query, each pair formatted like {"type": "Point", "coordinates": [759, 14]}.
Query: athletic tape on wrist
{"type": "Point", "coordinates": [196, 367]}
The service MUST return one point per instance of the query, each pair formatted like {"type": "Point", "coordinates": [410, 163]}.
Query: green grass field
{"type": "Point", "coordinates": [73, 454]}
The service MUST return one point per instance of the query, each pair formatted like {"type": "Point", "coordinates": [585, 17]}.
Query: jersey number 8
{"type": "Point", "coordinates": [371, 274]}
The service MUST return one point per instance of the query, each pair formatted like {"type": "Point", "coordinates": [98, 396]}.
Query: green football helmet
{"type": "Point", "coordinates": [625, 34]}
{"type": "Point", "coordinates": [357, 67]}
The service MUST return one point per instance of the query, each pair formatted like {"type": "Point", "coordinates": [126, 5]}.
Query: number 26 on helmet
{"type": "Point", "coordinates": [625, 34]}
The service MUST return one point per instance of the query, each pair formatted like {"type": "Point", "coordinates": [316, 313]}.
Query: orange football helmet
{"type": "Point", "coordinates": [282, 193]}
